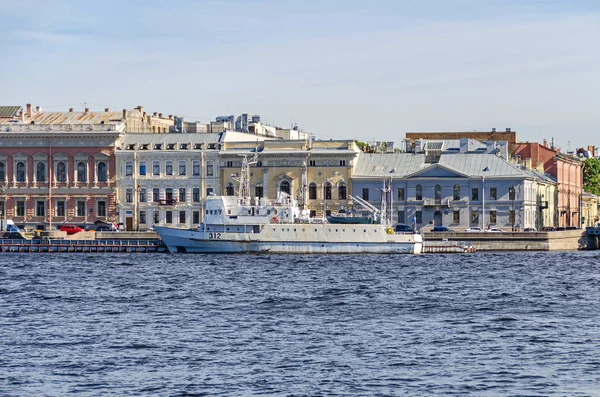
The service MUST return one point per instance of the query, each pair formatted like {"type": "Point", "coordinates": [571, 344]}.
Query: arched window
{"type": "Point", "coordinates": [2, 171]}
{"type": "Point", "coordinates": [81, 174]}
{"type": "Point", "coordinates": [258, 190]}
{"type": "Point", "coordinates": [327, 190]}
{"type": "Point", "coordinates": [102, 171]}
{"type": "Point", "coordinates": [437, 191]}
{"type": "Point", "coordinates": [312, 191]}
{"type": "Point", "coordinates": [229, 189]}
{"type": "Point", "coordinates": [40, 174]}
{"type": "Point", "coordinates": [61, 172]}
{"type": "Point", "coordinates": [20, 171]}
{"type": "Point", "coordinates": [419, 192]}
{"type": "Point", "coordinates": [342, 191]}
{"type": "Point", "coordinates": [456, 192]}
{"type": "Point", "coordinates": [284, 186]}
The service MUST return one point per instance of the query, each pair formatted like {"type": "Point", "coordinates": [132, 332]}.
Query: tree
{"type": "Point", "coordinates": [591, 176]}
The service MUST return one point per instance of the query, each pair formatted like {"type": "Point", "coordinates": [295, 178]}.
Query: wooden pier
{"type": "Point", "coordinates": [87, 246]}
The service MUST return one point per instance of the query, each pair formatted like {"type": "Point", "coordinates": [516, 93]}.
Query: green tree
{"type": "Point", "coordinates": [591, 176]}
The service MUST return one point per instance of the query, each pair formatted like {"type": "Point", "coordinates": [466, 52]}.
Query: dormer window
{"type": "Point", "coordinates": [183, 146]}
{"type": "Point", "coordinates": [197, 146]}
{"type": "Point", "coordinates": [170, 146]}
{"type": "Point", "coordinates": [131, 146]}
{"type": "Point", "coordinates": [158, 146]}
{"type": "Point", "coordinates": [144, 146]}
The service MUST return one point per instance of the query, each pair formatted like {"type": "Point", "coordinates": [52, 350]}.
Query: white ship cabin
{"type": "Point", "coordinates": [232, 214]}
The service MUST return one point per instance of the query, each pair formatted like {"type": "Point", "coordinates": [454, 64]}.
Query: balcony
{"type": "Point", "coordinates": [436, 203]}
{"type": "Point", "coordinates": [166, 202]}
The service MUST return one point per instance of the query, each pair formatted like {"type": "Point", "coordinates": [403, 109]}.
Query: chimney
{"type": "Point", "coordinates": [493, 130]}
{"type": "Point", "coordinates": [71, 110]}
{"type": "Point", "coordinates": [528, 164]}
{"type": "Point", "coordinates": [170, 117]}
{"type": "Point", "coordinates": [545, 142]}
{"type": "Point", "coordinates": [464, 145]}
{"type": "Point", "coordinates": [160, 115]}
{"type": "Point", "coordinates": [540, 166]}
{"type": "Point", "coordinates": [38, 109]}
{"type": "Point", "coordinates": [155, 114]}
{"type": "Point", "coordinates": [418, 146]}
{"type": "Point", "coordinates": [87, 110]}
{"type": "Point", "coordinates": [490, 146]}
{"type": "Point", "coordinates": [508, 129]}
{"type": "Point", "coordinates": [22, 115]}
{"type": "Point", "coordinates": [503, 149]}
{"type": "Point", "coordinates": [106, 109]}
{"type": "Point", "coordinates": [140, 108]}
{"type": "Point", "coordinates": [124, 113]}
{"type": "Point", "coordinates": [28, 112]}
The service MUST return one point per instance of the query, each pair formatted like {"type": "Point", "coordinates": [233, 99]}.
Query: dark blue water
{"type": "Point", "coordinates": [246, 325]}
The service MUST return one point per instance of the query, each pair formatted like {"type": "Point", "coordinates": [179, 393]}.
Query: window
{"type": "Point", "coordinates": [142, 168]}
{"type": "Point", "coordinates": [156, 216]}
{"type": "Point", "coordinates": [182, 167]}
{"type": "Point", "coordinates": [40, 208]}
{"type": "Point", "coordinates": [365, 193]}
{"type": "Point", "coordinates": [170, 146]}
{"type": "Point", "coordinates": [258, 190]}
{"type": "Point", "coordinates": [401, 194]}
{"type": "Point", "coordinates": [196, 168]}
{"type": "Point", "coordinates": [475, 217]}
{"type": "Point", "coordinates": [2, 171]}
{"type": "Point", "coordinates": [156, 168]}
{"type": "Point", "coordinates": [342, 163]}
{"type": "Point", "coordinates": [342, 191]}
{"type": "Point", "coordinates": [327, 191]}
{"type": "Point", "coordinates": [20, 171]}
{"type": "Point", "coordinates": [313, 213]}
{"type": "Point", "coordinates": [196, 217]}
{"type": "Point", "coordinates": [401, 217]}
{"type": "Point", "coordinates": [169, 168]}
{"type": "Point", "coordinates": [169, 217]}
{"type": "Point", "coordinates": [229, 163]}
{"type": "Point", "coordinates": [511, 193]}
{"type": "Point", "coordinates": [128, 168]}
{"type": "Point", "coordinates": [182, 195]}
{"type": "Point", "coordinates": [81, 172]}
{"type": "Point", "coordinates": [101, 207]}
{"type": "Point", "coordinates": [40, 174]}
{"type": "Point", "coordinates": [183, 146]}
{"type": "Point", "coordinates": [196, 195]}
{"type": "Point", "coordinates": [312, 191]}
{"type": "Point", "coordinates": [475, 194]}
{"type": "Point", "coordinates": [312, 163]}
{"type": "Point", "coordinates": [129, 195]}
{"type": "Point", "coordinates": [209, 169]}
{"type": "Point", "coordinates": [210, 191]}
{"type": "Point", "coordinates": [155, 194]}
{"type": "Point", "coordinates": [142, 216]}
{"type": "Point", "coordinates": [60, 208]}
{"type": "Point", "coordinates": [455, 216]}
{"type": "Point", "coordinates": [142, 194]}
{"type": "Point", "coordinates": [158, 146]}
{"type": "Point", "coordinates": [169, 194]}
{"type": "Point", "coordinates": [511, 216]}
{"type": "Point", "coordinates": [102, 174]}
{"type": "Point", "coordinates": [20, 208]}
{"type": "Point", "coordinates": [229, 189]}
{"type": "Point", "coordinates": [259, 163]}
{"type": "Point", "coordinates": [419, 217]}
{"type": "Point", "coordinates": [181, 216]}
{"type": "Point", "coordinates": [492, 217]}
{"type": "Point", "coordinates": [437, 191]}
{"type": "Point", "coordinates": [456, 192]}
{"type": "Point", "coordinates": [419, 192]}
{"type": "Point", "coordinates": [61, 172]}
{"type": "Point", "coordinates": [493, 193]}
{"type": "Point", "coordinates": [80, 208]}
{"type": "Point", "coordinates": [284, 186]}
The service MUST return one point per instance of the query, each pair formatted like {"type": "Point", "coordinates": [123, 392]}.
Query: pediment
{"type": "Point", "coordinates": [437, 171]}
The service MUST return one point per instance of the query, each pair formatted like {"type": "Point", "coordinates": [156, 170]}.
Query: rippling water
{"type": "Point", "coordinates": [195, 325]}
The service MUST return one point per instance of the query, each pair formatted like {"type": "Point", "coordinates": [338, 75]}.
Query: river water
{"type": "Point", "coordinates": [255, 325]}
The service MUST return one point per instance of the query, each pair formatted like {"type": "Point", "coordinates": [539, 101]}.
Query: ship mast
{"type": "Point", "coordinates": [244, 192]}
{"type": "Point", "coordinates": [384, 213]}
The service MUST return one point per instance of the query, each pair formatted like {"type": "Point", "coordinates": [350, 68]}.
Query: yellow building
{"type": "Point", "coordinates": [316, 173]}
{"type": "Point", "coordinates": [589, 210]}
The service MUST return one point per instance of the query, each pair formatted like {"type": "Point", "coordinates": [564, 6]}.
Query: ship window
{"type": "Point", "coordinates": [315, 230]}
{"type": "Point", "coordinates": [336, 230]}
{"type": "Point", "coordinates": [228, 212]}
{"type": "Point", "coordinates": [227, 229]}
{"type": "Point", "coordinates": [365, 230]}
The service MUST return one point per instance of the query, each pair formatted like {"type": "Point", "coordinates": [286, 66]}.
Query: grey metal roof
{"type": "Point", "coordinates": [473, 144]}
{"type": "Point", "coordinates": [473, 164]}
{"type": "Point", "coordinates": [543, 176]}
{"type": "Point", "coordinates": [9, 111]}
{"type": "Point", "coordinates": [165, 139]}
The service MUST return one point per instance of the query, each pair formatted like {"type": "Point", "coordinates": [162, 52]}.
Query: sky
{"type": "Point", "coordinates": [366, 70]}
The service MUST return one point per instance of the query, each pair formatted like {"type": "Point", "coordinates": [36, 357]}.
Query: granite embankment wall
{"type": "Point", "coordinates": [520, 241]}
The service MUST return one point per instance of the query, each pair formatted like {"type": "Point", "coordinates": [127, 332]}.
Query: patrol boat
{"type": "Point", "coordinates": [239, 224]}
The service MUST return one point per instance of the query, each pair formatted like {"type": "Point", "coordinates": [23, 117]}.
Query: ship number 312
{"type": "Point", "coordinates": [214, 236]}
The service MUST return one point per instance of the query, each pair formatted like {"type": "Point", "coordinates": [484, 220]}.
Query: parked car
{"type": "Point", "coordinates": [440, 229]}
{"type": "Point", "coordinates": [70, 229]}
{"type": "Point", "coordinates": [494, 230]}
{"type": "Point", "coordinates": [530, 229]}
{"type": "Point", "coordinates": [474, 230]}
{"type": "Point", "coordinates": [549, 229]}
{"type": "Point", "coordinates": [401, 227]}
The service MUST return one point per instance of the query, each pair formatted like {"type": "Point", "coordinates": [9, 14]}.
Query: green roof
{"type": "Point", "coordinates": [9, 111]}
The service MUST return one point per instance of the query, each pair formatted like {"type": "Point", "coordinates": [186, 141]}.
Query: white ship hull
{"type": "Point", "coordinates": [295, 239]}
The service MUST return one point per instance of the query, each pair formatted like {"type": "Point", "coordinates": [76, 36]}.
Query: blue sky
{"type": "Point", "coordinates": [353, 69]}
